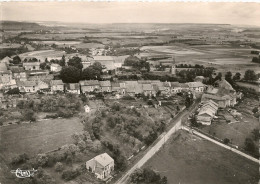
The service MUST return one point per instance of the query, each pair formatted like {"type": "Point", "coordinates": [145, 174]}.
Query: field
{"type": "Point", "coordinates": [247, 85]}
{"type": "Point", "coordinates": [187, 159]}
{"type": "Point", "coordinates": [37, 137]}
{"type": "Point", "coordinates": [239, 131]}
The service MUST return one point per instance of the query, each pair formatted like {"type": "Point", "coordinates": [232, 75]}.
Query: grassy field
{"type": "Point", "coordinates": [247, 85]}
{"type": "Point", "coordinates": [37, 137]}
{"type": "Point", "coordinates": [187, 159]}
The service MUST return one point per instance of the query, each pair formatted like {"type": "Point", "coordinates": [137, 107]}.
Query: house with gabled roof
{"type": "Point", "coordinates": [31, 66]}
{"type": "Point", "coordinates": [30, 86]}
{"type": "Point", "coordinates": [175, 87]}
{"type": "Point", "coordinates": [105, 86]}
{"type": "Point", "coordinates": [55, 67]}
{"type": "Point", "coordinates": [102, 166]}
{"type": "Point", "coordinates": [57, 85]}
{"type": "Point", "coordinates": [148, 90]}
{"type": "Point", "coordinates": [72, 88]}
{"type": "Point", "coordinates": [167, 87]}
{"type": "Point", "coordinates": [115, 87]}
{"type": "Point", "coordinates": [196, 86]}
{"type": "Point", "coordinates": [89, 86]}
{"type": "Point", "coordinates": [18, 73]}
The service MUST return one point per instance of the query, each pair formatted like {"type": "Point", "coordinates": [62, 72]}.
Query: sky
{"type": "Point", "coordinates": [133, 12]}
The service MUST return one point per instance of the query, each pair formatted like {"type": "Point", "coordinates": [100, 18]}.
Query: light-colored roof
{"type": "Point", "coordinates": [195, 84]}
{"type": "Point", "coordinates": [212, 90]}
{"type": "Point", "coordinates": [56, 82]}
{"type": "Point", "coordinates": [104, 159]}
{"type": "Point", "coordinates": [206, 111]}
{"type": "Point", "coordinates": [225, 84]}
{"type": "Point", "coordinates": [105, 83]}
{"type": "Point", "coordinates": [103, 58]}
{"type": "Point", "coordinates": [147, 87]}
{"type": "Point", "coordinates": [3, 67]}
{"type": "Point", "coordinates": [115, 85]}
{"type": "Point", "coordinates": [89, 83]}
{"type": "Point", "coordinates": [203, 118]}
{"type": "Point", "coordinates": [6, 60]}
{"type": "Point", "coordinates": [55, 65]}
{"type": "Point", "coordinates": [213, 97]}
{"type": "Point", "coordinates": [175, 84]}
{"type": "Point", "coordinates": [184, 85]}
{"type": "Point", "coordinates": [29, 83]}
{"type": "Point", "coordinates": [31, 64]}
{"type": "Point", "coordinates": [199, 77]}
{"type": "Point", "coordinates": [17, 69]}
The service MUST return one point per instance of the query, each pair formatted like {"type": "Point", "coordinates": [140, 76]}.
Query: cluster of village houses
{"type": "Point", "coordinates": [31, 79]}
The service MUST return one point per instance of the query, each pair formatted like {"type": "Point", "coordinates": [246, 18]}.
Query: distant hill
{"type": "Point", "coordinates": [14, 25]}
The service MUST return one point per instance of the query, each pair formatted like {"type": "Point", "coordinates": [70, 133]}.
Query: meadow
{"type": "Point", "coordinates": [39, 137]}
{"type": "Point", "coordinates": [188, 159]}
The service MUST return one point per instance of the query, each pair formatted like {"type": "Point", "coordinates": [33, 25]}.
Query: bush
{"type": "Point", "coordinates": [42, 160]}
{"type": "Point", "coordinates": [250, 145]}
{"type": "Point", "coordinates": [147, 176]}
{"type": "Point", "coordinates": [20, 159]}
{"type": "Point", "coordinates": [255, 110]}
{"type": "Point", "coordinates": [226, 141]}
{"type": "Point", "coordinates": [58, 167]}
{"type": "Point", "coordinates": [65, 113]}
{"type": "Point", "coordinates": [29, 115]}
{"type": "Point", "coordinates": [70, 174]}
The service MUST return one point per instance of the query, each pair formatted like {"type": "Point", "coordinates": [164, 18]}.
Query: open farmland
{"type": "Point", "coordinates": [187, 159]}
{"type": "Point", "coordinates": [247, 85]}
{"type": "Point", "coordinates": [39, 137]}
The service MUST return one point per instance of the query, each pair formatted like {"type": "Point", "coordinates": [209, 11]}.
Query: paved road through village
{"type": "Point", "coordinates": [176, 124]}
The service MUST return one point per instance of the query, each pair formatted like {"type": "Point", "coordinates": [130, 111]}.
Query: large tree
{"type": "Point", "coordinates": [250, 75]}
{"type": "Point", "coordinates": [16, 60]}
{"type": "Point", "coordinates": [228, 77]}
{"type": "Point", "coordinates": [92, 72]}
{"type": "Point", "coordinates": [70, 74]}
{"type": "Point", "coordinates": [237, 76]}
{"type": "Point", "coordinates": [76, 62]}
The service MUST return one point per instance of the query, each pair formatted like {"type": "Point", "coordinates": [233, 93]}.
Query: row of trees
{"type": "Point", "coordinates": [137, 63]}
{"type": "Point", "coordinates": [147, 176]}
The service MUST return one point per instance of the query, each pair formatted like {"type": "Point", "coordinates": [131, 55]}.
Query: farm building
{"type": "Point", "coordinates": [55, 67]}
{"type": "Point", "coordinates": [196, 86]}
{"type": "Point", "coordinates": [31, 65]}
{"type": "Point", "coordinates": [107, 62]}
{"type": "Point", "coordinates": [102, 165]}
{"type": "Point", "coordinates": [207, 112]}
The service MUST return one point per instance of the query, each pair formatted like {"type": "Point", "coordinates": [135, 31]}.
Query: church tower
{"type": "Point", "coordinates": [173, 69]}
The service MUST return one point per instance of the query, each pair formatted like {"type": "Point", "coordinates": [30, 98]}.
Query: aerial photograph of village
{"type": "Point", "coordinates": [129, 93]}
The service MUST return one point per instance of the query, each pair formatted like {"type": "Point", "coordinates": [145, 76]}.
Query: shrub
{"type": "Point", "coordinates": [42, 160]}
{"type": "Point", "coordinates": [226, 141]}
{"type": "Point", "coordinates": [20, 159]}
{"type": "Point", "coordinates": [58, 167]}
{"type": "Point", "coordinates": [255, 110]}
{"type": "Point", "coordinates": [65, 113]}
{"type": "Point", "coordinates": [69, 174]}
{"type": "Point", "coordinates": [29, 115]}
